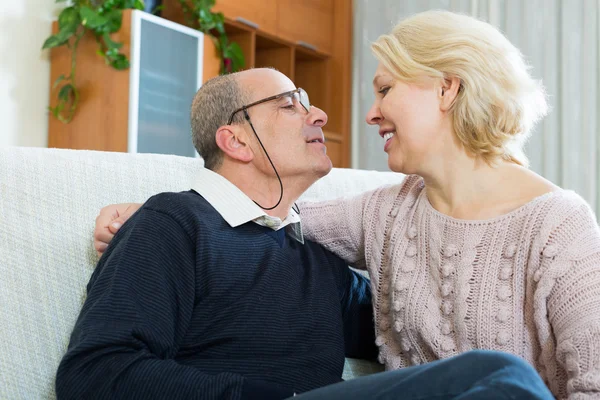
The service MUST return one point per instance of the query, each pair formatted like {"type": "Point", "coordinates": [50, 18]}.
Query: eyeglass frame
{"type": "Point", "coordinates": [271, 98]}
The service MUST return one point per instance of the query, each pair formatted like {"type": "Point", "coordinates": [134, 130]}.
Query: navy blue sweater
{"type": "Point", "coordinates": [181, 305]}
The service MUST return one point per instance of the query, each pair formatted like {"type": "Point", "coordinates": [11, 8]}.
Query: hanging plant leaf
{"type": "Point", "coordinates": [58, 80]}
{"type": "Point", "coordinates": [54, 41]}
{"type": "Point", "coordinates": [91, 19]}
{"type": "Point", "coordinates": [110, 43]}
{"type": "Point", "coordinates": [199, 15]}
{"type": "Point", "coordinates": [220, 23]}
{"type": "Point", "coordinates": [135, 4]}
{"type": "Point", "coordinates": [66, 92]}
{"type": "Point", "coordinates": [120, 62]}
{"type": "Point", "coordinates": [69, 19]}
{"type": "Point", "coordinates": [237, 56]}
{"type": "Point", "coordinates": [114, 18]}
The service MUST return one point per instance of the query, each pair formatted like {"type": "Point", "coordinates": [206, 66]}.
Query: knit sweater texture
{"type": "Point", "coordinates": [183, 306]}
{"type": "Point", "coordinates": [527, 282]}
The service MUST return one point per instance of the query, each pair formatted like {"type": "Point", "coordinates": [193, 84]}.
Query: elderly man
{"type": "Point", "coordinates": [213, 293]}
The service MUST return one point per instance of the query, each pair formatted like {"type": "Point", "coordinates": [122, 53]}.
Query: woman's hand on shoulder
{"type": "Point", "coordinates": [109, 221]}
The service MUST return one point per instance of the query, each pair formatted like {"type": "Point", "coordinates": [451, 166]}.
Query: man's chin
{"type": "Point", "coordinates": [325, 169]}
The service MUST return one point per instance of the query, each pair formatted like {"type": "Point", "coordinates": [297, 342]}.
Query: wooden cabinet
{"type": "Point", "coordinates": [307, 23]}
{"type": "Point", "coordinates": [140, 110]}
{"type": "Point", "coordinates": [293, 36]}
{"type": "Point", "coordinates": [270, 52]}
{"type": "Point", "coordinates": [261, 14]}
{"type": "Point", "coordinates": [303, 22]}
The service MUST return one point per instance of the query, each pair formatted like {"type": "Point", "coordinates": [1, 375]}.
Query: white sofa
{"type": "Point", "coordinates": [49, 199]}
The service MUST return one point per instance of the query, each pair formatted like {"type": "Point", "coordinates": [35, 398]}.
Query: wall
{"type": "Point", "coordinates": [24, 71]}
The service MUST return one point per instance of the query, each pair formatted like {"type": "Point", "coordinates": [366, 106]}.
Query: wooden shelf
{"type": "Point", "coordinates": [308, 21]}
{"type": "Point", "coordinates": [311, 75]}
{"type": "Point", "coordinates": [307, 54]}
{"type": "Point", "coordinates": [274, 53]}
{"type": "Point", "coordinates": [261, 13]}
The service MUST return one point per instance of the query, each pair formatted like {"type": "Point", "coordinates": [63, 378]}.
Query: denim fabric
{"type": "Point", "coordinates": [478, 374]}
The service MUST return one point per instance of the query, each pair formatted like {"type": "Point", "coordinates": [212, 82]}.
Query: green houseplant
{"type": "Point", "coordinates": [198, 16]}
{"type": "Point", "coordinates": [104, 17]}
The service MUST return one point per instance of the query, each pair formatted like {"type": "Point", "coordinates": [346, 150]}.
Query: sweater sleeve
{"type": "Point", "coordinates": [138, 309]}
{"type": "Point", "coordinates": [570, 273]}
{"type": "Point", "coordinates": [338, 226]}
{"type": "Point", "coordinates": [341, 225]}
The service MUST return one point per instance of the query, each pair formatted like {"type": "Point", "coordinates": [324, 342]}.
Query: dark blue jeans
{"type": "Point", "coordinates": [477, 374]}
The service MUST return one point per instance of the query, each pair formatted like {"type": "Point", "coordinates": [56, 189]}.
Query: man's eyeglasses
{"type": "Point", "coordinates": [298, 96]}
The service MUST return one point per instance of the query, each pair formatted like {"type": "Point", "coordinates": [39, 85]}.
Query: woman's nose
{"type": "Point", "coordinates": [374, 115]}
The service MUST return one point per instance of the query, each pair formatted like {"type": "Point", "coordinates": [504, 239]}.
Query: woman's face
{"type": "Point", "coordinates": [409, 119]}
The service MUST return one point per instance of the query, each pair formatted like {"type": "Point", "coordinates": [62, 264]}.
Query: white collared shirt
{"type": "Point", "coordinates": [237, 208]}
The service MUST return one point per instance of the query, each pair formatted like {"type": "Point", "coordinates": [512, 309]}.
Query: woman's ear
{"type": "Point", "coordinates": [232, 141]}
{"type": "Point", "coordinates": [448, 92]}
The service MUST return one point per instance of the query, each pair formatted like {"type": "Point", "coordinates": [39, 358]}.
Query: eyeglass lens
{"type": "Point", "coordinates": [303, 99]}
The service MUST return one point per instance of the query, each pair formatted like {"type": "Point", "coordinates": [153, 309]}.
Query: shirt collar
{"type": "Point", "coordinates": [237, 208]}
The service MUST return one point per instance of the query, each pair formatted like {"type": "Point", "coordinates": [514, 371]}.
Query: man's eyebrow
{"type": "Point", "coordinates": [282, 98]}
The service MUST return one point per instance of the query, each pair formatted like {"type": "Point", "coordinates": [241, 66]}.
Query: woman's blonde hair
{"type": "Point", "coordinates": [498, 101]}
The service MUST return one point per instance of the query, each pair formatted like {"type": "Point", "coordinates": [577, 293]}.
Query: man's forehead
{"type": "Point", "coordinates": [262, 83]}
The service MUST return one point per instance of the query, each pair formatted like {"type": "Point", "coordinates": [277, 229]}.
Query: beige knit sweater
{"type": "Point", "coordinates": [527, 282]}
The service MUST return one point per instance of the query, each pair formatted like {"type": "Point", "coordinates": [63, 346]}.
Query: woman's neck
{"type": "Point", "coordinates": [467, 188]}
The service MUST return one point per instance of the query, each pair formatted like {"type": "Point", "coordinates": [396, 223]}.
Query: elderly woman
{"type": "Point", "coordinates": [473, 250]}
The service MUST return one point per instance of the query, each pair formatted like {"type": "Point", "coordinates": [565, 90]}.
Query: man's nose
{"type": "Point", "coordinates": [316, 117]}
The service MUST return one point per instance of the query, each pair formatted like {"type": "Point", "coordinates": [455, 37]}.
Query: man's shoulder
{"type": "Point", "coordinates": [188, 209]}
{"type": "Point", "coordinates": [187, 201]}
{"type": "Point", "coordinates": [320, 251]}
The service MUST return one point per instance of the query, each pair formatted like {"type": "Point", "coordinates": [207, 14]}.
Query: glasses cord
{"type": "Point", "coordinates": [297, 209]}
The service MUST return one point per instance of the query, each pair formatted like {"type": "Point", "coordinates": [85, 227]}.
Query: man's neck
{"type": "Point", "coordinates": [266, 190]}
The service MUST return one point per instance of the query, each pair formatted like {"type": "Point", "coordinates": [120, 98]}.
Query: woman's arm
{"type": "Point", "coordinates": [338, 226]}
{"type": "Point", "coordinates": [342, 225]}
{"type": "Point", "coordinates": [570, 275]}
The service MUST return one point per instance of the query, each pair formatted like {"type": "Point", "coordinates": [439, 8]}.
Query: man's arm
{"type": "Point", "coordinates": [139, 305]}
{"type": "Point", "coordinates": [357, 312]}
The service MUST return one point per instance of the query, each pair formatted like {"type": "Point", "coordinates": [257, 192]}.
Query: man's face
{"type": "Point", "coordinates": [291, 135]}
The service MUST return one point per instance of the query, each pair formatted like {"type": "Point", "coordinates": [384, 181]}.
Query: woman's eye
{"type": "Point", "coordinates": [384, 90]}
{"type": "Point", "coordinates": [289, 107]}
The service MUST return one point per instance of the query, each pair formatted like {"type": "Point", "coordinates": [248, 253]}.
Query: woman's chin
{"type": "Point", "coordinates": [395, 166]}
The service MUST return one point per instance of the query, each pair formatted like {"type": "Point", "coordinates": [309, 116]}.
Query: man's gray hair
{"type": "Point", "coordinates": [211, 109]}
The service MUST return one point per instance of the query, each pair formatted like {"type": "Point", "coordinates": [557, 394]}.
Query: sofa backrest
{"type": "Point", "coordinates": [49, 200]}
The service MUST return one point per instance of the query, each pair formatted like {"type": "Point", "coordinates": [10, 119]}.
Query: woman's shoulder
{"type": "Point", "coordinates": [549, 205]}
{"type": "Point", "coordinates": [566, 223]}
{"type": "Point", "coordinates": [562, 205]}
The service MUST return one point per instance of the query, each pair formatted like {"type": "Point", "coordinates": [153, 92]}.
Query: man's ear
{"type": "Point", "coordinates": [232, 141]}
{"type": "Point", "coordinates": [448, 91]}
